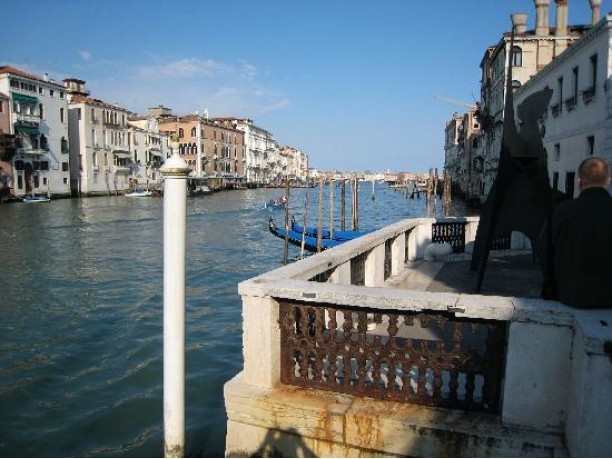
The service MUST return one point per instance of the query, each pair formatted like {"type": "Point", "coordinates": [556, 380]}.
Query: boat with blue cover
{"type": "Point", "coordinates": [295, 238]}
{"type": "Point", "coordinates": [338, 235]}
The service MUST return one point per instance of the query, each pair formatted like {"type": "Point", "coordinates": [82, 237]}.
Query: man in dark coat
{"type": "Point", "coordinates": [582, 240]}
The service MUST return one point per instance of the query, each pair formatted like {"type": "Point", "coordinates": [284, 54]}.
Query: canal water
{"type": "Point", "coordinates": [81, 314]}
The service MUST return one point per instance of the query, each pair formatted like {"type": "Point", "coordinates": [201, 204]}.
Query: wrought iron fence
{"type": "Point", "coordinates": [450, 232]}
{"type": "Point", "coordinates": [432, 359]}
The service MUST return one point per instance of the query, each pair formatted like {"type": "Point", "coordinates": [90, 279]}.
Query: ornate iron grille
{"type": "Point", "coordinates": [451, 232]}
{"type": "Point", "coordinates": [431, 359]}
{"type": "Point", "coordinates": [358, 269]}
{"type": "Point", "coordinates": [388, 248]}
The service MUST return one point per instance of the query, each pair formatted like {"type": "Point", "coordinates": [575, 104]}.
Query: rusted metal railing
{"type": "Point", "coordinates": [425, 358]}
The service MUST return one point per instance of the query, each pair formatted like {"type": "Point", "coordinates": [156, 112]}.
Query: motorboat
{"type": "Point", "coordinates": [139, 193]}
{"type": "Point", "coordinates": [36, 198]}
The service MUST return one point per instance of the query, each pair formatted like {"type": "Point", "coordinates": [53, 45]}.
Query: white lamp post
{"type": "Point", "coordinates": [175, 171]}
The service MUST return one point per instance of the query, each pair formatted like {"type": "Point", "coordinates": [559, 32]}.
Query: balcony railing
{"type": "Point", "coordinates": [588, 94]}
{"type": "Point", "coordinates": [25, 117]}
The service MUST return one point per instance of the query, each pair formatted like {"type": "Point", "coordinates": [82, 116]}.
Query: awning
{"type": "Point", "coordinates": [155, 153]}
{"type": "Point", "coordinates": [26, 129]}
{"type": "Point", "coordinates": [122, 154]}
{"type": "Point", "coordinates": [24, 98]}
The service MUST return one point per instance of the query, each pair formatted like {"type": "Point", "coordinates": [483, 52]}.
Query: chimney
{"type": "Point", "coordinates": [561, 19]}
{"type": "Point", "coordinates": [595, 6]}
{"type": "Point", "coordinates": [519, 22]}
{"type": "Point", "coordinates": [542, 8]}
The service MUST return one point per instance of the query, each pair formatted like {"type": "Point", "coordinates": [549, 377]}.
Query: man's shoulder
{"type": "Point", "coordinates": [596, 200]}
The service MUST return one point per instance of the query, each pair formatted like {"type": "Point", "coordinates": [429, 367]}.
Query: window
{"type": "Point", "coordinates": [569, 184]}
{"type": "Point", "coordinates": [61, 94]}
{"type": "Point", "coordinates": [589, 93]}
{"type": "Point", "coordinates": [44, 165]}
{"type": "Point", "coordinates": [193, 132]}
{"type": "Point", "coordinates": [94, 159]}
{"type": "Point", "coordinates": [555, 181]}
{"type": "Point", "coordinates": [517, 56]}
{"type": "Point", "coordinates": [590, 145]}
{"type": "Point", "coordinates": [575, 77]}
{"type": "Point", "coordinates": [65, 166]}
{"type": "Point", "coordinates": [79, 113]}
{"type": "Point", "coordinates": [62, 114]}
{"type": "Point", "coordinates": [51, 92]}
{"type": "Point", "coordinates": [64, 145]}
{"type": "Point", "coordinates": [41, 111]}
{"type": "Point", "coordinates": [181, 133]}
{"type": "Point", "coordinates": [560, 90]}
{"type": "Point", "coordinates": [593, 68]}
{"type": "Point", "coordinates": [557, 156]}
{"type": "Point", "coordinates": [65, 181]}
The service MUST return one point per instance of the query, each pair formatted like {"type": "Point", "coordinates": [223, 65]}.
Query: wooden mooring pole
{"type": "Point", "coordinates": [320, 216]}
{"type": "Point", "coordinates": [286, 252]}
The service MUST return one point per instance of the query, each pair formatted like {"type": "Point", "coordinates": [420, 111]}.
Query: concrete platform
{"type": "Point", "coordinates": [508, 274]}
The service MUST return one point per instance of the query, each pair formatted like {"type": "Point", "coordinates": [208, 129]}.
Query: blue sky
{"type": "Point", "coordinates": [351, 83]}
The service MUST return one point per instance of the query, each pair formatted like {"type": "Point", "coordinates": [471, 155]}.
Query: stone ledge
{"type": "Point", "coordinates": [332, 424]}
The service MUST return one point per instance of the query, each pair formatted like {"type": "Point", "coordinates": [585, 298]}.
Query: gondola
{"type": "Point", "coordinates": [338, 235]}
{"type": "Point", "coordinates": [295, 238]}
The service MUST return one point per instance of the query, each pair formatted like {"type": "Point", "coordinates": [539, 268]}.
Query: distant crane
{"type": "Point", "coordinates": [457, 102]}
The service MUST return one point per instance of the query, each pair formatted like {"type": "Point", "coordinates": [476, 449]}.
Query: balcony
{"type": "Point", "coordinates": [368, 349]}
{"type": "Point", "coordinates": [588, 94]}
{"type": "Point", "coordinates": [32, 120]}
{"type": "Point", "coordinates": [122, 169]}
{"type": "Point", "coordinates": [555, 109]}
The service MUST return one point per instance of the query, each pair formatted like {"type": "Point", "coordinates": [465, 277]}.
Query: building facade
{"type": "Point", "coordinates": [532, 51]}
{"type": "Point", "coordinates": [211, 147]}
{"type": "Point", "coordinates": [261, 151]}
{"type": "Point", "coordinates": [99, 144]}
{"type": "Point", "coordinates": [578, 123]}
{"type": "Point", "coordinates": [149, 149]}
{"type": "Point", "coordinates": [34, 135]}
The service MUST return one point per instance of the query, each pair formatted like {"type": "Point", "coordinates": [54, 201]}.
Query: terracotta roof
{"type": "Point", "coordinates": [80, 99]}
{"type": "Point", "coordinates": [15, 71]}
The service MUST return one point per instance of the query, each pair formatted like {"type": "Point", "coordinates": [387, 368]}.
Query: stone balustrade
{"type": "Point", "coordinates": [554, 396]}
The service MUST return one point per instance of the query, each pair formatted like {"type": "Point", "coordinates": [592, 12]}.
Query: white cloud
{"type": "Point", "coordinates": [184, 68]}
{"type": "Point", "coordinates": [189, 84]}
{"type": "Point", "coordinates": [85, 55]}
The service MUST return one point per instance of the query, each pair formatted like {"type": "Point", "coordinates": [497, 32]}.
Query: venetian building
{"type": "Point", "coordinates": [188, 130]}
{"type": "Point", "coordinates": [149, 149]}
{"type": "Point", "coordinates": [578, 123]}
{"type": "Point", "coordinates": [33, 135]}
{"type": "Point", "coordinates": [227, 144]}
{"type": "Point", "coordinates": [297, 163]}
{"type": "Point", "coordinates": [260, 147]}
{"type": "Point", "coordinates": [532, 51]}
{"type": "Point", "coordinates": [99, 144]}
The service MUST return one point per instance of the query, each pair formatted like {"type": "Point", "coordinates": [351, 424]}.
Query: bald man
{"type": "Point", "coordinates": [582, 240]}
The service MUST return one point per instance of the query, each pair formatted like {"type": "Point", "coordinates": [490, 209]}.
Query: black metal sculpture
{"type": "Point", "coordinates": [521, 198]}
